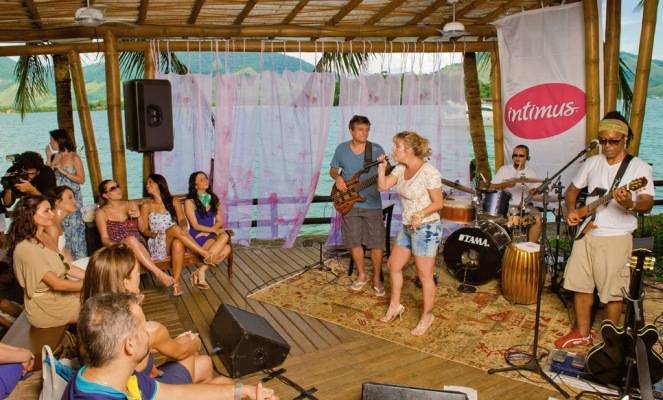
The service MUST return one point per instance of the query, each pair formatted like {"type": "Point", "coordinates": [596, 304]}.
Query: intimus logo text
{"type": "Point", "coordinates": [543, 111]}
{"type": "Point", "coordinates": [474, 240]}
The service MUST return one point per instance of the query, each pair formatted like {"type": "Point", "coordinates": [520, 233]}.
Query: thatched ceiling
{"type": "Point", "coordinates": [29, 20]}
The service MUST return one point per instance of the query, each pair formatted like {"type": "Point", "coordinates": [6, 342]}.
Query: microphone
{"type": "Point", "coordinates": [592, 145]}
{"type": "Point", "coordinates": [374, 163]}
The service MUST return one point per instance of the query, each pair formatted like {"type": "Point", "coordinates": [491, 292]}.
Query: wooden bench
{"type": "Point", "coordinates": [22, 334]}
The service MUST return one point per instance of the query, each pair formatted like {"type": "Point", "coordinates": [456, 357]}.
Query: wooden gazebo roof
{"type": "Point", "coordinates": [392, 20]}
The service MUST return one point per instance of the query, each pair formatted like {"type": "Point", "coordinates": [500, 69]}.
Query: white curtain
{"type": "Point", "coordinates": [193, 130]}
{"type": "Point", "coordinates": [271, 135]}
{"type": "Point", "coordinates": [432, 105]}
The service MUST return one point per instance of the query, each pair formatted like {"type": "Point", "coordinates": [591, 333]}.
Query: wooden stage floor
{"type": "Point", "coordinates": [328, 357]}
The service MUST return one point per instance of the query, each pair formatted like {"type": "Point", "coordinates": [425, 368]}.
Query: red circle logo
{"type": "Point", "coordinates": [545, 110]}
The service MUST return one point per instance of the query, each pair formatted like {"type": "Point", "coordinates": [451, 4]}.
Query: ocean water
{"type": "Point", "coordinates": [31, 133]}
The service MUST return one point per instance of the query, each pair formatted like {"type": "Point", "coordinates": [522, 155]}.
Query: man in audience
{"type": "Point", "coordinates": [32, 178]}
{"type": "Point", "coordinates": [113, 337]}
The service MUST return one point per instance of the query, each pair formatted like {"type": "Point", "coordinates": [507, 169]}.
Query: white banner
{"type": "Point", "coordinates": [542, 64]}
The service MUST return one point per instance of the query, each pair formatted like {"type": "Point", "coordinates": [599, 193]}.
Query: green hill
{"type": "Point", "coordinates": [95, 74]}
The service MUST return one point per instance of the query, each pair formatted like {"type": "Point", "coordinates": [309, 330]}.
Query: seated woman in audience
{"type": "Point", "coordinates": [14, 364]}
{"type": "Point", "coordinates": [203, 212]}
{"type": "Point", "coordinates": [64, 203]}
{"type": "Point", "coordinates": [114, 269]}
{"type": "Point", "coordinates": [119, 221]}
{"type": "Point", "coordinates": [164, 235]}
{"type": "Point", "coordinates": [49, 299]}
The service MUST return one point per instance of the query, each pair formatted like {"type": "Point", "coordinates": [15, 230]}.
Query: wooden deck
{"type": "Point", "coordinates": [328, 357]}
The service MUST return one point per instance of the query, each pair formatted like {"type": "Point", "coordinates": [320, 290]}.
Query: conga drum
{"type": "Point", "coordinates": [520, 272]}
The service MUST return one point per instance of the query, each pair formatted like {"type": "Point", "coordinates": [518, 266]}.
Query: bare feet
{"type": "Point", "coordinates": [425, 322]}
{"type": "Point", "coordinates": [166, 279]}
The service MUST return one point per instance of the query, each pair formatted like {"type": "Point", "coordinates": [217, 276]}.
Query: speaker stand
{"type": "Point", "coordinates": [278, 374]}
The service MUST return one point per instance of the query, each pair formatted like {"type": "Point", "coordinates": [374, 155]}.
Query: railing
{"type": "Point", "coordinates": [658, 202]}
{"type": "Point", "coordinates": [274, 211]}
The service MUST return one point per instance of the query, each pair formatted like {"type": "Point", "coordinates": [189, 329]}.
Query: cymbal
{"type": "Point", "coordinates": [457, 186]}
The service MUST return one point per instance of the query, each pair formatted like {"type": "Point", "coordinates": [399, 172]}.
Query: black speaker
{"type": "Point", "coordinates": [381, 391]}
{"type": "Point", "coordinates": [246, 342]}
{"type": "Point", "coordinates": [148, 115]}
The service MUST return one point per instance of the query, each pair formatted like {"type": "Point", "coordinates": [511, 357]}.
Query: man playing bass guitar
{"type": "Point", "coordinates": [362, 225]}
{"type": "Point", "coordinates": [600, 257]}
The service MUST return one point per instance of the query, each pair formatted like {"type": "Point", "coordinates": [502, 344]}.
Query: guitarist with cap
{"type": "Point", "coordinates": [599, 257]}
{"type": "Point", "coordinates": [362, 225]}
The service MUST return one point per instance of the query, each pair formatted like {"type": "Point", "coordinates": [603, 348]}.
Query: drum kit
{"type": "Point", "coordinates": [493, 241]}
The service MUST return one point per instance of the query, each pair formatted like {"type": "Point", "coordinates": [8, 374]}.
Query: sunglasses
{"type": "Point", "coordinates": [518, 156]}
{"type": "Point", "coordinates": [613, 142]}
{"type": "Point", "coordinates": [112, 188]}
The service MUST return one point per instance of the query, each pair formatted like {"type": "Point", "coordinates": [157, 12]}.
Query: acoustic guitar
{"type": "Point", "coordinates": [586, 211]}
{"type": "Point", "coordinates": [344, 201]}
{"type": "Point", "coordinates": [607, 361]}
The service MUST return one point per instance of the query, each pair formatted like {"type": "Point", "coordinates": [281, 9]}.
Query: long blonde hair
{"type": "Point", "coordinates": [107, 269]}
{"type": "Point", "coordinates": [418, 143]}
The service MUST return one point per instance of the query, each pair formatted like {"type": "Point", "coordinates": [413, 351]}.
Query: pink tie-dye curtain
{"type": "Point", "coordinates": [271, 130]}
{"type": "Point", "coordinates": [193, 130]}
{"type": "Point", "coordinates": [432, 105]}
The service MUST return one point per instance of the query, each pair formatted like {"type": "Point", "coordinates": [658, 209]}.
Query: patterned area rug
{"type": "Point", "coordinates": [475, 329]}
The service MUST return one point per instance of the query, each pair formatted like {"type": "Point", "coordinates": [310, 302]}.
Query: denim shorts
{"type": "Point", "coordinates": [424, 241]}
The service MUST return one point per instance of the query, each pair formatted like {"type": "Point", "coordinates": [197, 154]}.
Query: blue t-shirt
{"type": "Point", "coordinates": [351, 163]}
{"type": "Point", "coordinates": [81, 388]}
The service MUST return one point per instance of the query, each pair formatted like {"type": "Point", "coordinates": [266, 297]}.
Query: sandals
{"type": "Point", "coordinates": [177, 290]}
{"type": "Point", "coordinates": [358, 285]}
{"type": "Point", "coordinates": [197, 281]}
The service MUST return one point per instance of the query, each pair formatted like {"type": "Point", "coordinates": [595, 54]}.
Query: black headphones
{"type": "Point", "coordinates": [522, 146]}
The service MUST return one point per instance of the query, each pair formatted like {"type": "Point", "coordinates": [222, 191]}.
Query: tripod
{"type": "Point", "coordinates": [321, 262]}
{"type": "Point", "coordinates": [533, 364]}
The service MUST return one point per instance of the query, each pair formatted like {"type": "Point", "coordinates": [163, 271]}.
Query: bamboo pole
{"type": "Point", "coordinates": [611, 55]}
{"type": "Point", "coordinates": [255, 45]}
{"type": "Point", "coordinates": [496, 91]}
{"type": "Point", "coordinates": [642, 73]}
{"type": "Point", "coordinates": [87, 128]}
{"type": "Point", "coordinates": [473, 98]}
{"type": "Point", "coordinates": [239, 31]}
{"type": "Point", "coordinates": [592, 101]}
{"type": "Point", "coordinates": [148, 73]}
{"type": "Point", "coordinates": [65, 111]}
{"type": "Point", "coordinates": [114, 111]}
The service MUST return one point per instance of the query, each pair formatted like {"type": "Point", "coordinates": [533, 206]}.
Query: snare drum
{"type": "Point", "coordinates": [457, 211]}
{"type": "Point", "coordinates": [520, 272]}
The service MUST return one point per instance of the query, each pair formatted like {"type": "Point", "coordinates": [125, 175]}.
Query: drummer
{"type": "Point", "coordinates": [520, 181]}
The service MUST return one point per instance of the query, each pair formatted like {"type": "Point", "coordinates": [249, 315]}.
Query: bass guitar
{"type": "Point", "coordinates": [344, 201]}
{"type": "Point", "coordinates": [588, 210]}
{"type": "Point", "coordinates": [608, 362]}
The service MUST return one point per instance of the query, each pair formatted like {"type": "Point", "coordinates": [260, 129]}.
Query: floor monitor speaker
{"type": "Point", "coordinates": [381, 391]}
{"type": "Point", "coordinates": [246, 342]}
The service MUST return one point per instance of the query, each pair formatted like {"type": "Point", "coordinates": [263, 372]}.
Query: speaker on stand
{"type": "Point", "coordinates": [148, 115]}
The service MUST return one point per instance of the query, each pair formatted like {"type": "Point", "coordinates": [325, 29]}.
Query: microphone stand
{"type": "Point", "coordinates": [532, 364]}
{"type": "Point", "coordinates": [554, 278]}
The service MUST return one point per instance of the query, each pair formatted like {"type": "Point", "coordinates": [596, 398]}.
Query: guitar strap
{"type": "Point", "coordinates": [368, 153]}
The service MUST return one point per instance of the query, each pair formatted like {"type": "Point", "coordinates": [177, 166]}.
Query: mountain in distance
{"type": "Point", "coordinates": [237, 63]}
{"type": "Point", "coordinates": [206, 63]}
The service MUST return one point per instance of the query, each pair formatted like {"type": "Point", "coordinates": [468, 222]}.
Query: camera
{"type": "Point", "coordinates": [15, 173]}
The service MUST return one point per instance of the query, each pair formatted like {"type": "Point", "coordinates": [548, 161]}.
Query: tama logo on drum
{"type": "Point", "coordinates": [473, 240]}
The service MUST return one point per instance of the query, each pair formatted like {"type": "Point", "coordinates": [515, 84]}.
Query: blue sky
{"type": "Point", "coordinates": [630, 35]}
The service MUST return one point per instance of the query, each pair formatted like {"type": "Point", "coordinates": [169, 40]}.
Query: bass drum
{"type": "Point", "coordinates": [474, 254]}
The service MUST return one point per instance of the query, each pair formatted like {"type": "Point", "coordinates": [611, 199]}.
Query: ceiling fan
{"type": "Point", "coordinates": [453, 29]}
{"type": "Point", "coordinates": [94, 15]}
